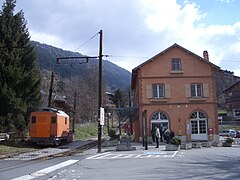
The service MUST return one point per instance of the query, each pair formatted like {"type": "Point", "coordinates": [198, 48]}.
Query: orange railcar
{"type": "Point", "coordinates": [50, 127]}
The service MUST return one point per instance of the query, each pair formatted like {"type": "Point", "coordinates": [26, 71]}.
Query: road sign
{"type": "Point", "coordinates": [101, 116]}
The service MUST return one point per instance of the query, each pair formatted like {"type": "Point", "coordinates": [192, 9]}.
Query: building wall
{"type": "Point", "coordinates": [232, 96]}
{"type": "Point", "coordinates": [178, 106]}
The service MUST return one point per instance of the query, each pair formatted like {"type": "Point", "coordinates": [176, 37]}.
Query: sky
{"type": "Point", "coordinates": [136, 30]}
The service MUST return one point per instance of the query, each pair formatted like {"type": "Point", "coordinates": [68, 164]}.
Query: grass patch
{"type": "Point", "coordinates": [8, 147]}
{"type": "Point", "coordinates": [86, 131]}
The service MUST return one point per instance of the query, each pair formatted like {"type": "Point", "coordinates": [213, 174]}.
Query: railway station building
{"type": "Point", "coordinates": [177, 90]}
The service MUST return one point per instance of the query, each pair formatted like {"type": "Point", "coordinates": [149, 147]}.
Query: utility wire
{"type": "Point", "coordinates": [129, 56]}
{"type": "Point", "coordinates": [87, 41]}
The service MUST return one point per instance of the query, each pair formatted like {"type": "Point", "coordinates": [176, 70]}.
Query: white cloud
{"type": "Point", "coordinates": [139, 28]}
{"type": "Point", "coordinates": [46, 38]}
{"type": "Point", "coordinates": [226, 1]}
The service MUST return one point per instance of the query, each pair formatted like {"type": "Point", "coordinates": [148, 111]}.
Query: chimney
{"type": "Point", "coordinates": [205, 55]}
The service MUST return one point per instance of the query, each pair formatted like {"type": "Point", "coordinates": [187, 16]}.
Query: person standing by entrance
{"type": "Point", "coordinates": [161, 133]}
{"type": "Point", "coordinates": [153, 135]}
{"type": "Point", "coordinates": [157, 133]}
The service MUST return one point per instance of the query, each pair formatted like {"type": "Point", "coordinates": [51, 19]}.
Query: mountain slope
{"type": "Point", "coordinates": [114, 76]}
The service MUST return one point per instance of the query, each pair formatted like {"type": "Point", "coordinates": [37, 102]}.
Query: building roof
{"type": "Point", "coordinates": [175, 45]}
{"type": "Point", "coordinates": [231, 87]}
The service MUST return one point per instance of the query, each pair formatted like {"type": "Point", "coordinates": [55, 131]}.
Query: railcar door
{"type": "Point", "coordinates": [53, 126]}
{"type": "Point", "coordinates": [42, 124]}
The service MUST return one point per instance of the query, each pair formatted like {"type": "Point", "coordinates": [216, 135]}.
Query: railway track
{"type": "Point", "coordinates": [52, 152]}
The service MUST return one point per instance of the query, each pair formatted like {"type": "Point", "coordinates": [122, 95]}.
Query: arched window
{"type": "Point", "coordinates": [159, 116]}
{"type": "Point", "coordinates": [160, 120]}
{"type": "Point", "coordinates": [198, 115]}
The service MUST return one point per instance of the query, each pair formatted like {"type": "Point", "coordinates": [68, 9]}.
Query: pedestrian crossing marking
{"type": "Point", "coordinates": [155, 152]}
{"type": "Point", "coordinates": [128, 156]}
{"type": "Point", "coordinates": [103, 156]}
{"type": "Point", "coordinates": [109, 155]}
{"type": "Point", "coordinates": [174, 153]}
{"type": "Point", "coordinates": [97, 155]}
{"type": "Point", "coordinates": [117, 156]}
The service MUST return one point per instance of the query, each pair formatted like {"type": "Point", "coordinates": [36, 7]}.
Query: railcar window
{"type": "Point", "coordinates": [65, 120]}
{"type": "Point", "coordinates": [54, 119]}
{"type": "Point", "coordinates": [33, 119]}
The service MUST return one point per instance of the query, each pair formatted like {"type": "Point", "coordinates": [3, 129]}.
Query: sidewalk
{"type": "Point", "coordinates": [139, 148]}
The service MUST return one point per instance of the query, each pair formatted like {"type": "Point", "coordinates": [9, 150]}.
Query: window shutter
{"type": "Point", "coordinates": [187, 90]}
{"type": "Point", "coordinates": [167, 91]}
{"type": "Point", "coordinates": [149, 91]}
{"type": "Point", "coordinates": [205, 90]}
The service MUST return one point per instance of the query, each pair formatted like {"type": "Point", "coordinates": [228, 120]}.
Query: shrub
{"type": "Point", "coordinates": [176, 141]}
{"type": "Point", "coordinates": [112, 134]}
{"type": "Point", "coordinates": [229, 140]}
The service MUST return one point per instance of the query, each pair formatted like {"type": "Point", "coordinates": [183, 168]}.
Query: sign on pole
{"type": "Point", "coordinates": [101, 116]}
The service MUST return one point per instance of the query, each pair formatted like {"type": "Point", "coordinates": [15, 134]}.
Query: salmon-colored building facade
{"type": "Point", "coordinates": [177, 90]}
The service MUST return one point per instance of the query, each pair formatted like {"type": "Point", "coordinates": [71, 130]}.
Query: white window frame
{"type": "Point", "coordinates": [196, 90]}
{"type": "Point", "coordinates": [176, 64]}
{"type": "Point", "coordinates": [236, 112]}
{"type": "Point", "coordinates": [199, 131]}
{"type": "Point", "coordinates": [158, 90]}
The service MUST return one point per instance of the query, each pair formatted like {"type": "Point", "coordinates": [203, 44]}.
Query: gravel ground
{"type": "Point", "coordinates": [46, 152]}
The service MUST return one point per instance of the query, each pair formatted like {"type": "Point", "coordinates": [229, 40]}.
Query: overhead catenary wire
{"type": "Point", "coordinates": [87, 41]}
{"type": "Point", "coordinates": [144, 57]}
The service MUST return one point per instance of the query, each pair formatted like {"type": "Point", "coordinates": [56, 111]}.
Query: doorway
{"type": "Point", "coordinates": [198, 126]}
{"type": "Point", "coordinates": [160, 120]}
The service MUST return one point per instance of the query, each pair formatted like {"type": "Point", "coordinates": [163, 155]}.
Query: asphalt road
{"type": "Point", "coordinates": [204, 163]}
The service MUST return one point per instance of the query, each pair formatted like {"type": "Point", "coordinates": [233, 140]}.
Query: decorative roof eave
{"type": "Point", "coordinates": [135, 70]}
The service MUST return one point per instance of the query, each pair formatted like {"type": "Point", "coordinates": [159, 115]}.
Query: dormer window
{"type": "Point", "coordinates": [176, 64]}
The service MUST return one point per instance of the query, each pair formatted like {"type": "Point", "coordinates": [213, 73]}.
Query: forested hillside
{"type": "Point", "coordinates": [74, 80]}
{"type": "Point", "coordinates": [113, 75]}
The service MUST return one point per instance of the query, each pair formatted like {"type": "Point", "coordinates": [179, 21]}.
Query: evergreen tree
{"type": "Point", "coordinates": [120, 98]}
{"type": "Point", "coordinates": [20, 79]}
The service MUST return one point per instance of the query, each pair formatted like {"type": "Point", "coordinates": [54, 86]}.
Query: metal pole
{"type": "Point", "coordinates": [100, 94]}
{"type": "Point", "coordinates": [131, 117]}
{"type": "Point", "coordinates": [50, 91]}
{"type": "Point", "coordinates": [74, 112]}
{"type": "Point", "coordinates": [108, 117]}
{"type": "Point", "coordinates": [146, 134]}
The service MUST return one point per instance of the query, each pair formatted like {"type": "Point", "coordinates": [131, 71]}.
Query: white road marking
{"type": "Point", "coordinates": [117, 156]}
{"type": "Point", "coordinates": [97, 155]}
{"type": "Point", "coordinates": [129, 156]}
{"type": "Point", "coordinates": [45, 171]}
{"type": "Point", "coordinates": [103, 156]}
{"type": "Point", "coordinates": [109, 155]}
{"type": "Point", "coordinates": [174, 154]}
